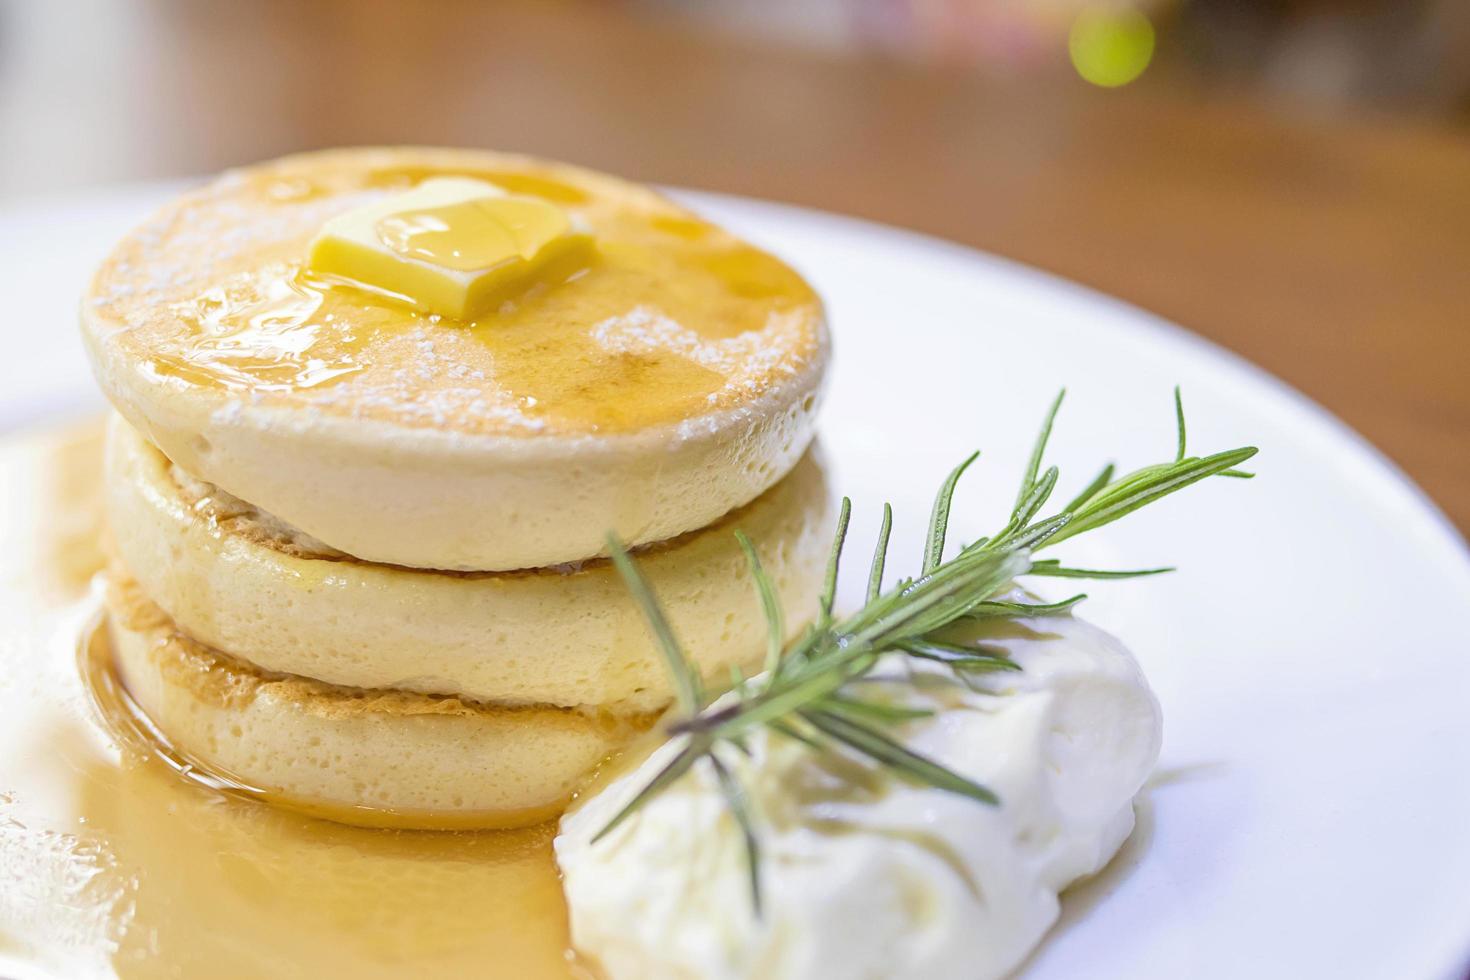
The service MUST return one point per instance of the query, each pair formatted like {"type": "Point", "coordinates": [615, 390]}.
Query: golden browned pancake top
{"type": "Point", "coordinates": [672, 319]}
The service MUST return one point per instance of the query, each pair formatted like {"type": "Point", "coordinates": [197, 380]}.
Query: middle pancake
{"type": "Point", "coordinates": [239, 580]}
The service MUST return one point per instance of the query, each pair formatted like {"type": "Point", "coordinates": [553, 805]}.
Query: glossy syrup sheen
{"type": "Point", "coordinates": [665, 317]}
{"type": "Point", "coordinates": [112, 863]}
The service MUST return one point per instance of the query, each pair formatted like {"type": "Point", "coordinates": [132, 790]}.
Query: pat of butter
{"type": "Point", "coordinates": [452, 245]}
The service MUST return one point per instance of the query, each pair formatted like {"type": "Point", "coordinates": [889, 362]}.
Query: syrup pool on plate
{"type": "Point", "coordinates": [113, 863]}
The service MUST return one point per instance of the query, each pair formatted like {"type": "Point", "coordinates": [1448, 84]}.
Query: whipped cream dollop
{"type": "Point", "coordinates": [864, 874]}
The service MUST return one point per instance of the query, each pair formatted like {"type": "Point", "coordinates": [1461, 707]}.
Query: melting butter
{"type": "Point", "coordinates": [454, 246]}
{"type": "Point", "coordinates": [479, 233]}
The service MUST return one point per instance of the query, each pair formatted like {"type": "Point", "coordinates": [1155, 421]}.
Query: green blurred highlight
{"type": "Point", "coordinates": [1111, 46]}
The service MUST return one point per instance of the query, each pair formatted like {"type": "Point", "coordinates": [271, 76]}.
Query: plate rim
{"type": "Point", "coordinates": [1140, 322]}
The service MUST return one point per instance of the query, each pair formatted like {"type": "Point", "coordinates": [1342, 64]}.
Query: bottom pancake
{"type": "Point", "coordinates": [379, 758]}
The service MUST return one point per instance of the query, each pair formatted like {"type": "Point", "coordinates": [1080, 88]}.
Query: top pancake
{"type": "Point", "coordinates": [677, 348]}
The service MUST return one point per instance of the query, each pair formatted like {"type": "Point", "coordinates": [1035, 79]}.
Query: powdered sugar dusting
{"type": "Point", "coordinates": [751, 362]}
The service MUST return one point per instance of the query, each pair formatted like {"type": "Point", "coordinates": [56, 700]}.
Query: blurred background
{"type": "Point", "coordinates": [1290, 178]}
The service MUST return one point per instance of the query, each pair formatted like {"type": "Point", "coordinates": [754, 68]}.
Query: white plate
{"type": "Point", "coordinates": [1311, 815]}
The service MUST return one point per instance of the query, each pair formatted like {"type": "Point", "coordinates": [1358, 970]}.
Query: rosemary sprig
{"type": "Point", "coordinates": [807, 692]}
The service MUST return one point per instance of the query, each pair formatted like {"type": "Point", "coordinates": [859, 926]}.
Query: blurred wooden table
{"type": "Point", "coordinates": [1336, 255]}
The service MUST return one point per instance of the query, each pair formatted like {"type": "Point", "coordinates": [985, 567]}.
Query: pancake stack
{"type": "Point", "coordinates": [360, 532]}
